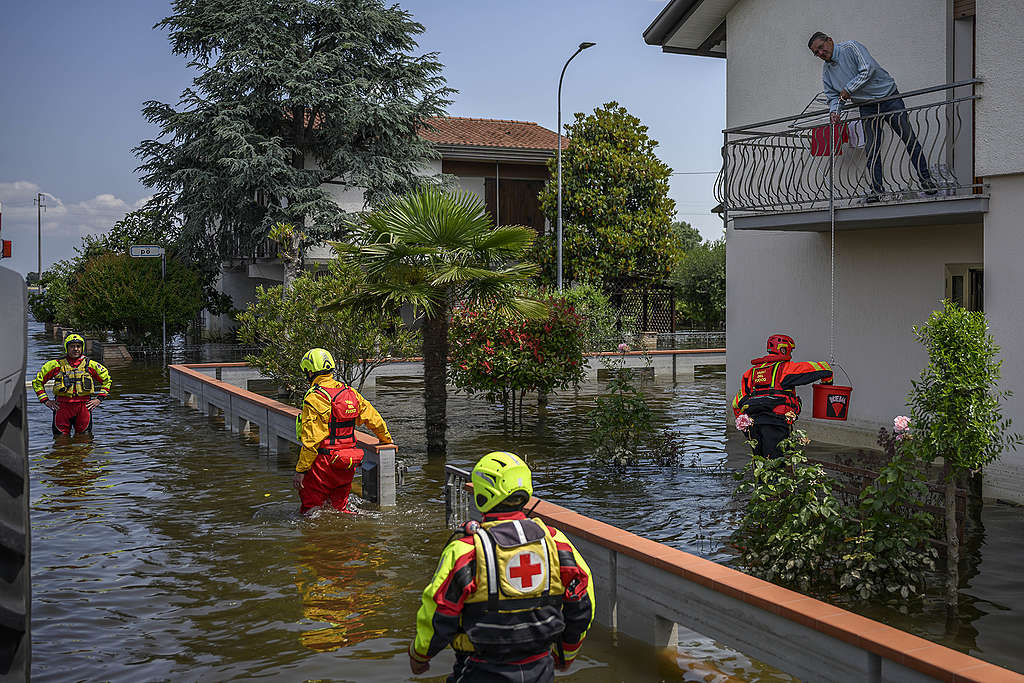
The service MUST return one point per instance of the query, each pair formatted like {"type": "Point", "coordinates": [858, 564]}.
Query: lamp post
{"type": "Point", "coordinates": [558, 132]}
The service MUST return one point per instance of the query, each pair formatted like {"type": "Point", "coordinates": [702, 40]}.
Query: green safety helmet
{"type": "Point", "coordinates": [72, 339]}
{"type": "Point", "coordinates": [317, 361]}
{"type": "Point", "coordinates": [497, 476]}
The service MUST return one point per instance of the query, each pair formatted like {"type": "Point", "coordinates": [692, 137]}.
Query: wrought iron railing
{"type": "Point", "coordinates": [794, 164]}
{"type": "Point", "coordinates": [458, 505]}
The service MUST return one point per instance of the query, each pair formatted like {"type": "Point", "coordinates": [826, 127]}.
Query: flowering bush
{"type": "Point", "coordinates": [493, 353]}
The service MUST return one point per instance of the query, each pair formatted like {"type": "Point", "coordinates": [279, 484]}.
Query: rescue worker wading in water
{"type": "Point", "coordinates": [512, 596]}
{"type": "Point", "coordinates": [326, 428]}
{"type": "Point", "coordinates": [79, 384]}
{"type": "Point", "coordinates": [768, 393]}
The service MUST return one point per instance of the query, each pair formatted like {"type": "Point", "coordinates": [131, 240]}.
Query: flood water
{"type": "Point", "coordinates": [165, 548]}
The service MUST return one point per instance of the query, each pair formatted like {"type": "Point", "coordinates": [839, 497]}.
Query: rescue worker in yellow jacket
{"type": "Point", "coordinates": [326, 428]}
{"type": "Point", "coordinates": [79, 384]}
{"type": "Point", "coordinates": [767, 393]}
{"type": "Point", "coordinates": [512, 596]}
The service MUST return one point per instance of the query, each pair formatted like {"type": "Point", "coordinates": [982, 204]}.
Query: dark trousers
{"type": "Point", "coordinates": [472, 670]}
{"type": "Point", "coordinates": [893, 113]}
{"type": "Point", "coordinates": [768, 437]}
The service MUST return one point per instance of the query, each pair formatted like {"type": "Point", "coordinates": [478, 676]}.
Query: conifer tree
{"type": "Point", "coordinates": [290, 94]}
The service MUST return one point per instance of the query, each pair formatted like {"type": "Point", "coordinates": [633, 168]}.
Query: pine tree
{"type": "Point", "coordinates": [290, 94]}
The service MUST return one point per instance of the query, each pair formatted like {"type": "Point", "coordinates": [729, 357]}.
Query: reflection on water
{"type": "Point", "coordinates": [166, 548]}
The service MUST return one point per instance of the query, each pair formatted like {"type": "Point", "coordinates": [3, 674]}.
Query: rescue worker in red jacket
{"type": "Point", "coordinates": [768, 393]}
{"type": "Point", "coordinates": [326, 428]}
{"type": "Point", "coordinates": [512, 596]}
{"type": "Point", "coordinates": [79, 384]}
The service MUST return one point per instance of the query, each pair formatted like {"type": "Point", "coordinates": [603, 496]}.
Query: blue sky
{"type": "Point", "coordinates": [76, 74]}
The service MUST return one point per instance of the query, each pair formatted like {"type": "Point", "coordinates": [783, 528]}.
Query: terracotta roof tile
{"type": "Point", "coordinates": [457, 130]}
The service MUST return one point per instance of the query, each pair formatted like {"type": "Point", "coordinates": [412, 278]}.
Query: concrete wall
{"type": "Point", "coordinates": [887, 280]}
{"type": "Point", "coordinates": [770, 72]}
{"type": "Point", "coordinates": [999, 44]}
{"type": "Point", "coordinates": [208, 387]}
{"type": "Point", "coordinates": [236, 283]}
{"type": "Point", "coordinates": [1004, 306]}
{"type": "Point", "coordinates": [645, 589]}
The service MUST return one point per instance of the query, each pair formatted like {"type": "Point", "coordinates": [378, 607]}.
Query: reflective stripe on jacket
{"type": "Point", "coordinates": [72, 380]}
{"type": "Point", "coordinates": [544, 594]}
{"type": "Point", "coordinates": [314, 422]}
{"type": "Point", "coordinates": [768, 389]}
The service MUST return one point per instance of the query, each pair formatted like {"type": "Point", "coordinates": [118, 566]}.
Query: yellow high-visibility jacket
{"type": "Point", "coordinates": [72, 380]}
{"type": "Point", "coordinates": [316, 414]}
{"type": "Point", "coordinates": [457, 605]}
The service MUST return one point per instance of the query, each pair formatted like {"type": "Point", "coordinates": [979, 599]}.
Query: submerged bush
{"type": "Point", "coordinates": [795, 531]}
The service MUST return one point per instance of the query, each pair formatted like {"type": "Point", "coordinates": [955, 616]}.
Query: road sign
{"type": "Point", "coordinates": [145, 251]}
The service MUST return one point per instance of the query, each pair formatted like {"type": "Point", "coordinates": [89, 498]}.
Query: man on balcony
{"type": "Point", "coordinates": [850, 74]}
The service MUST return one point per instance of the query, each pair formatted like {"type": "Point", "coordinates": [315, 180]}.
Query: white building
{"type": "Point", "coordinates": [502, 162]}
{"type": "Point", "coordinates": [897, 258]}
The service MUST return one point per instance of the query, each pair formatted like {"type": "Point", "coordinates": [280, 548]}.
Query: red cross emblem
{"type": "Point", "coordinates": [521, 571]}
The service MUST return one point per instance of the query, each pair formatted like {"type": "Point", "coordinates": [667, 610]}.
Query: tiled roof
{"type": "Point", "coordinates": [457, 130]}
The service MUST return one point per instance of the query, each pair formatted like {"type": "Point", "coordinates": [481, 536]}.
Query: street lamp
{"type": "Point", "coordinates": [581, 48]}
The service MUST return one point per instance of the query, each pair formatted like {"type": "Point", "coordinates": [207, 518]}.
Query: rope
{"type": "Point", "coordinates": [832, 256]}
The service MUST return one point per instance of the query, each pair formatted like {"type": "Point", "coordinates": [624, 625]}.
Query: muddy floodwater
{"type": "Point", "coordinates": [165, 548]}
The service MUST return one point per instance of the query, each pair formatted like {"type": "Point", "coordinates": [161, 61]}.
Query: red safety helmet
{"type": "Point", "coordinates": [781, 345]}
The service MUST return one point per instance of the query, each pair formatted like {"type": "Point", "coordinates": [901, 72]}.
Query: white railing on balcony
{"type": "Point", "coordinates": [924, 151]}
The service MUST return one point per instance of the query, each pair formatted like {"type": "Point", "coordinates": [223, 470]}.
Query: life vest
{"type": "Point", "coordinates": [516, 609]}
{"type": "Point", "coordinates": [72, 381]}
{"type": "Point", "coordinates": [340, 442]}
{"type": "Point", "coordinates": [765, 392]}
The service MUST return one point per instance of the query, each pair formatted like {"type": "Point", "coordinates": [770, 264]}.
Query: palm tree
{"type": "Point", "coordinates": [431, 249]}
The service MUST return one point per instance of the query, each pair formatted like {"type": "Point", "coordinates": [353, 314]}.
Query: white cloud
{"type": "Point", "coordinates": [63, 223]}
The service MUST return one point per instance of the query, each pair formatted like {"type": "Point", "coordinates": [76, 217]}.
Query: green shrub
{"type": "Point", "coordinates": [120, 293]}
{"type": "Point", "coordinates": [795, 532]}
{"type": "Point", "coordinates": [621, 419]}
{"type": "Point", "coordinates": [286, 326]}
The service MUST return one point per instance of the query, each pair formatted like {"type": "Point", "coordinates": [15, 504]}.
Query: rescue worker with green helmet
{"type": "Point", "coordinates": [512, 596]}
{"type": "Point", "coordinates": [79, 384]}
{"type": "Point", "coordinates": [331, 410]}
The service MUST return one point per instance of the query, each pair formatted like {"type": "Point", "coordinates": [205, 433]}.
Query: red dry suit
{"type": "Point", "coordinates": [330, 455]}
{"type": "Point", "coordinates": [768, 389]}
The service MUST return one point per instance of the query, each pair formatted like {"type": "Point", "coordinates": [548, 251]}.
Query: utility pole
{"type": "Point", "coordinates": [40, 207]}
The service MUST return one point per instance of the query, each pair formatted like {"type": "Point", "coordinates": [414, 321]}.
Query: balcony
{"type": "Point", "coordinates": [785, 174]}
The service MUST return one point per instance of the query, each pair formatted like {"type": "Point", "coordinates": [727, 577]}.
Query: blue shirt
{"type": "Point", "coordinates": [854, 69]}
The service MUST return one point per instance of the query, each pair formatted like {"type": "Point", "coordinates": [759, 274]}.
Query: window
{"type": "Point", "coordinates": [965, 284]}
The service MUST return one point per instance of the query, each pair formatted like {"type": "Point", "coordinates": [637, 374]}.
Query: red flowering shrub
{"type": "Point", "coordinates": [493, 353]}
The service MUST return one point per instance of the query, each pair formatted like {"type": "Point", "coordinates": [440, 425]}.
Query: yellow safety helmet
{"type": "Point", "coordinates": [72, 339]}
{"type": "Point", "coordinates": [497, 476]}
{"type": "Point", "coordinates": [317, 361]}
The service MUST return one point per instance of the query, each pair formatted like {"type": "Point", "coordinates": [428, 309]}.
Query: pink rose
{"type": "Point", "coordinates": [743, 422]}
{"type": "Point", "coordinates": [901, 423]}
{"type": "Point", "coordinates": [623, 347]}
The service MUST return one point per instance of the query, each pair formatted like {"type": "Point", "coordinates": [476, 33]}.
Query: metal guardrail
{"type": "Point", "coordinates": [458, 506]}
{"type": "Point", "coordinates": [691, 340]}
{"type": "Point", "coordinates": [784, 164]}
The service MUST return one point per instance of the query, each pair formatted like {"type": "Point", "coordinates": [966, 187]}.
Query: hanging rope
{"type": "Point", "coordinates": [832, 221]}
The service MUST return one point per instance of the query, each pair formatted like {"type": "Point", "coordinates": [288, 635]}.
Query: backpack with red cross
{"type": "Point", "coordinates": [516, 608]}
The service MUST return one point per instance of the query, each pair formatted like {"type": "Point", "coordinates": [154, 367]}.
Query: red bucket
{"type": "Point", "coordinates": [831, 402]}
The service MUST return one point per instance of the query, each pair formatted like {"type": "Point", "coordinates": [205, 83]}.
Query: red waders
{"type": "Point", "coordinates": [71, 412]}
{"type": "Point", "coordinates": [331, 474]}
